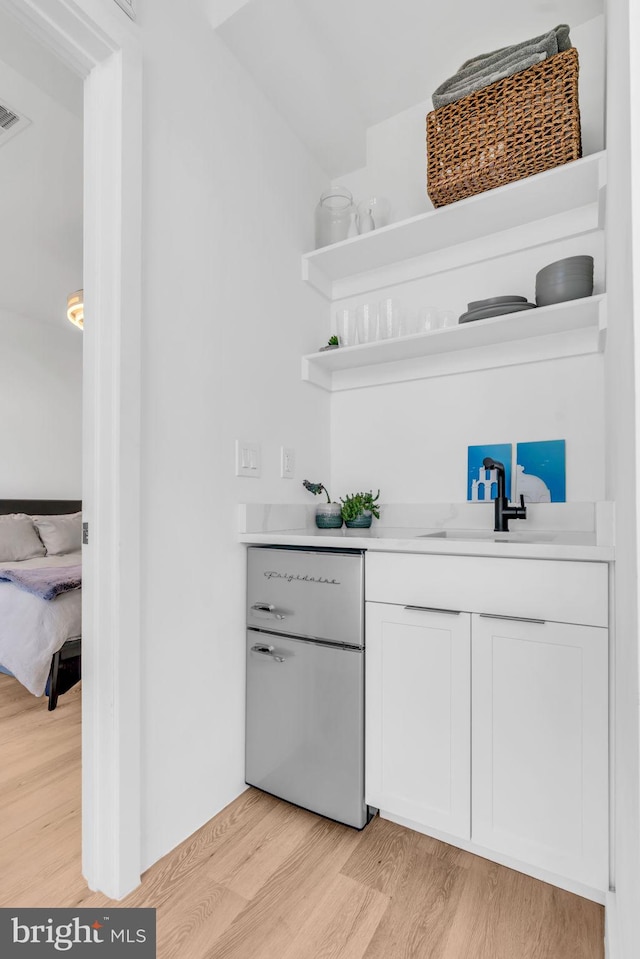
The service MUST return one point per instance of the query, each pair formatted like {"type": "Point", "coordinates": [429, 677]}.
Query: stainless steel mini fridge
{"type": "Point", "coordinates": [305, 679]}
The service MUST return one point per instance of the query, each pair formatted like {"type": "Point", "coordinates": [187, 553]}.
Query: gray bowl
{"type": "Point", "coordinates": [584, 259]}
{"type": "Point", "coordinates": [558, 275]}
{"type": "Point", "coordinates": [570, 266]}
{"type": "Point", "coordinates": [567, 279]}
{"type": "Point", "coordinates": [563, 289]}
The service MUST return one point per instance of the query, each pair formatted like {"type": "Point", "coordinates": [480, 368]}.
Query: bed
{"type": "Point", "coordinates": [40, 639]}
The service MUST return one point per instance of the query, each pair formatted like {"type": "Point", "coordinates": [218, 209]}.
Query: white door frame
{"type": "Point", "coordinates": [98, 41]}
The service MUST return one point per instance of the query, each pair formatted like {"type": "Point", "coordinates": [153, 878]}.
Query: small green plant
{"type": "Point", "coordinates": [332, 342]}
{"type": "Point", "coordinates": [354, 504]}
{"type": "Point", "coordinates": [316, 489]}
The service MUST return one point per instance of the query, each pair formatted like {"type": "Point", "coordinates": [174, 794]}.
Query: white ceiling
{"type": "Point", "coordinates": [40, 180]}
{"type": "Point", "coordinates": [335, 67]}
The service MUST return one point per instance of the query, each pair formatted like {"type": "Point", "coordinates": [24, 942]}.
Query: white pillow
{"type": "Point", "coordinates": [18, 538]}
{"type": "Point", "coordinates": [60, 534]}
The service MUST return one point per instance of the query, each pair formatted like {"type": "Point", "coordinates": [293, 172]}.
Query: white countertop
{"type": "Point", "coordinates": [571, 531]}
{"type": "Point", "coordinates": [560, 545]}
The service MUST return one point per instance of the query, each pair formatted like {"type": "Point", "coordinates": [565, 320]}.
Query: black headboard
{"type": "Point", "coordinates": [40, 507]}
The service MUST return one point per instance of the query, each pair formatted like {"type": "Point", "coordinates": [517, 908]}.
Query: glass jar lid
{"type": "Point", "coordinates": [337, 198]}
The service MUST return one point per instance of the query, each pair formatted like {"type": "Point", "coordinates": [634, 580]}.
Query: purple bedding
{"type": "Point", "coordinates": [47, 582]}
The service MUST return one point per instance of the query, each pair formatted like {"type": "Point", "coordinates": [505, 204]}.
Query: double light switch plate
{"type": "Point", "coordinates": [248, 459]}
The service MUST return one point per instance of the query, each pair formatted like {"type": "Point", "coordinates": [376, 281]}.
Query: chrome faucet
{"type": "Point", "coordinates": [503, 511]}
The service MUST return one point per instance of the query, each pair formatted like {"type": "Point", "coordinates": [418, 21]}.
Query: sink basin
{"type": "Point", "coordinates": [490, 536]}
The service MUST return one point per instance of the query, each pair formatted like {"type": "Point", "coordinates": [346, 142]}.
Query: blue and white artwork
{"type": "Point", "coordinates": [482, 484]}
{"type": "Point", "coordinates": [541, 472]}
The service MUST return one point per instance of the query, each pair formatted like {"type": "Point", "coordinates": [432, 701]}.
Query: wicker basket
{"type": "Point", "coordinates": [519, 126]}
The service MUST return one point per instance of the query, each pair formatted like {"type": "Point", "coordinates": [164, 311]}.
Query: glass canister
{"type": "Point", "coordinates": [333, 216]}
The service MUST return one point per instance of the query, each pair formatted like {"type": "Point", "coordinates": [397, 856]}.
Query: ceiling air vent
{"type": "Point", "coordinates": [11, 122]}
{"type": "Point", "coordinates": [7, 118]}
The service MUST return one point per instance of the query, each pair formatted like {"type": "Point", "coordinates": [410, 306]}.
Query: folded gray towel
{"type": "Point", "coordinates": [477, 81]}
{"type": "Point", "coordinates": [562, 42]}
{"type": "Point", "coordinates": [481, 71]}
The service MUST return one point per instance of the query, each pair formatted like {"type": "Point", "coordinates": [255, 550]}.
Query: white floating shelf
{"type": "Point", "coordinates": [574, 328]}
{"type": "Point", "coordinates": [446, 238]}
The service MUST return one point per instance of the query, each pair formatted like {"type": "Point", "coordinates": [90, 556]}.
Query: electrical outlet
{"type": "Point", "coordinates": [248, 459]}
{"type": "Point", "coordinates": [287, 462]}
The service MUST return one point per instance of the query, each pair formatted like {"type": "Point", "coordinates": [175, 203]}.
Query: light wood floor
{"type": "Point", "coordinates": [265, 880]}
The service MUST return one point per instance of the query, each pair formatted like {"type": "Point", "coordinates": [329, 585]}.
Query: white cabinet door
{"type": "Point", "coordinates": [418, 715]}
{"type": "Point", "coordinates": [539, 737]}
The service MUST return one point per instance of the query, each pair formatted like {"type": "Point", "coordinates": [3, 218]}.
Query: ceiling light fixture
{"type": "Point", "coordinates": [75, 308]}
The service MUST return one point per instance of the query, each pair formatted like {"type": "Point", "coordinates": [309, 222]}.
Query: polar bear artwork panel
{"type": "Point", "coordinates": [541, 472]}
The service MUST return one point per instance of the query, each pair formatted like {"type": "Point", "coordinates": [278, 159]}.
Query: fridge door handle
{"type": "Point", "coordinates": [267, 651]}
{"type": "Point", "coordinates": [268, 609]}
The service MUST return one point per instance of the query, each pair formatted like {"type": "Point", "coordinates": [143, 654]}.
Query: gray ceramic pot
{"type": "Point", "coordinates": [329, 516]}
{"type": "Point", "coordinates": [363, 521]}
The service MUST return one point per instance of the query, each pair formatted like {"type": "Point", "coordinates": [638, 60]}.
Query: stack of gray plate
{"type": "Point", "coordinates": [495, 306]}
{"type": "Point", "coordinates": [567, 279]}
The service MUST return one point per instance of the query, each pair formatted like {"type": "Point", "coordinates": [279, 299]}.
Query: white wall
{"type": "Point", "coordinates": [41, 400]}
{"type": "Point", "coordinates": [396, 149]}
{"type": "Point", "coordinates": [40, 197]}
{"type": "Point", "coordinates": [410, 439]}
{"type": "Point", "coordinates": [229, 194]}
{"type": "Point", "coordinates": [41, 255]}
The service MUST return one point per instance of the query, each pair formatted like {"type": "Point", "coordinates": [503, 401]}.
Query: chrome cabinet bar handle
{"type": "Point", "coordinates": [267, 608]}
{"type": "Point", "coordinates": [515, 619]}
{"type": "Point", "coordinates": [268, 651]}
{"type": "Point", "coordinates": [434, 609]}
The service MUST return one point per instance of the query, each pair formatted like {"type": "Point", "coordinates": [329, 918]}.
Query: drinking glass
{"type": "Point", "coordinates": [388, 318]}
{"type": "Point", "coordinates": [367, 322]}
{"type": "Point", "coordinates": [428, 319]}
{"type": "Point", "coordinates": [346, 326]}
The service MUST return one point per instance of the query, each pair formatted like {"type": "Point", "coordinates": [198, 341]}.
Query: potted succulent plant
{"type": "Point", "coordinates": [328, 515]}
{"type": "Point", "coordinates": [332, 343]}
{"type": "Point", "coordinates": [358, 508]}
